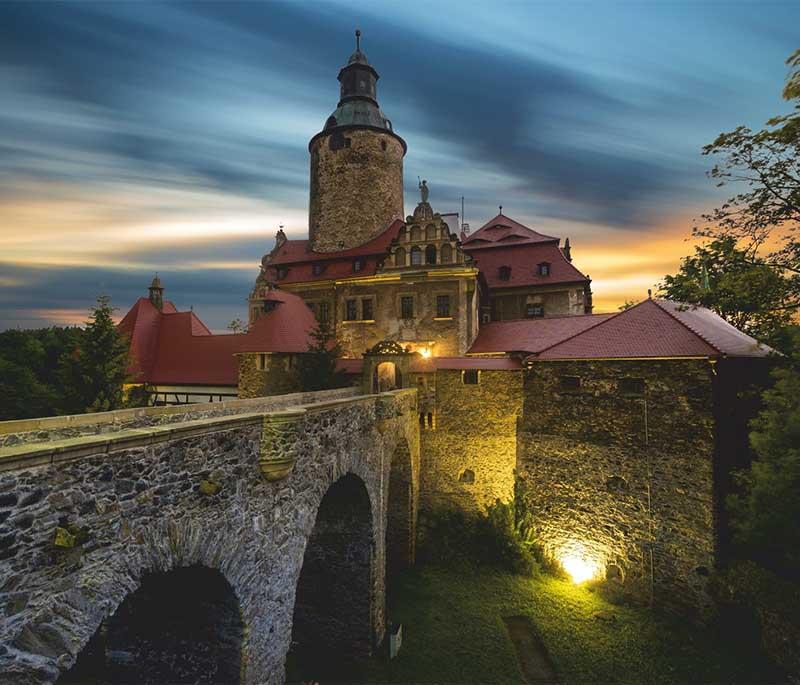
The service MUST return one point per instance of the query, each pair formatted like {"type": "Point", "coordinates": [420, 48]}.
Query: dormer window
{"type": "Point", "coordinates": [317, 269]}
{"type": "Point", "coordinates": [283, 272]}
{"type": "Point", "coordinates": [505, 273]}
{"type": "Point", "coordinates": [358, 264]}
{"type": "Point", "coordinates": [544, 269]}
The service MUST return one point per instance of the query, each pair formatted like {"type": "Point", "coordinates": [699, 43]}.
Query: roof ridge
{"type": "Point", "coordinates": [656, 301]}
{"type": "Point", "coordinates": [586, 330]}
{"type": "Point", "coordinates": [550, 318]}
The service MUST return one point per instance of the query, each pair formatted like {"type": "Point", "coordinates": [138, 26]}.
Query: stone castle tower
{"type": "Point", "coordinates": [356, 186]}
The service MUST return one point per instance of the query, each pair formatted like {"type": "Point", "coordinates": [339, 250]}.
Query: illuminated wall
{"type": "Point", "coordinates": [615, 460]}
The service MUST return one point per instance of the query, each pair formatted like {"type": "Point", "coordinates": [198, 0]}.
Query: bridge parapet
{"type": "Point", "coordinates": [45, 429]}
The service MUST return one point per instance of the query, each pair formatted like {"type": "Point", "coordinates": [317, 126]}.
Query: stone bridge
{"type": "Point", "coordinates": [259, 526]}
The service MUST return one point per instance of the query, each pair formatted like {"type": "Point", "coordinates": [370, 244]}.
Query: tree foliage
{"type": "Point", "coordinates": [94, 372]}
{"type": "Point", "coordinates": [765, 515]}
{"type": "Point", "coordinates": [743, 289]}
{"type": "Point", "coordinates": [764, 216]}
{"type": "Point", "coordinates": [318, 366]}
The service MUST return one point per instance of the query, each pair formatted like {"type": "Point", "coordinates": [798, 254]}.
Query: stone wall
{"type": "Point", "coordinates": [469, 452]}
{"type": "Point", "coordinates": [356, 187]}
{"type": "Point", "coordinates": [559, 300]}
{"type": "Point", "coordinates": [621, 477]}
{"type": "Point", "coordinates": [264, 375]}
{"type": "Point", "coordinates": [82, 521]}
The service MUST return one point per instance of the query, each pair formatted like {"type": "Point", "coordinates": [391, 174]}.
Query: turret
{"type": "Point", "coordinates": [356, 187]}
{"type": "Point", "coordinates": [156, 291]}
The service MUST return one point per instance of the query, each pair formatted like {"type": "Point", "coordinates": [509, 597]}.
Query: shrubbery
{"type": "Point", "coordinates": [453, 536]}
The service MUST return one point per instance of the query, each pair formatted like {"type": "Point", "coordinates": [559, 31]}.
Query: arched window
{"type": "Point", "coordinates": [430, 232]}
{"type": "Point", "coordinates": [445, 232]}
{"type": "Point", "coordinates": [403, 235]}
{"type": "Point", "coordinates": [447, 254]}
{"type": "Point", "coordinates": [400, 257]}
{"type": "Point", "coordinates": [416, 255]}
{"type": "Point", "coordinates": [430, 254]}
{"type": "Point", "coordinates": [416, 233]}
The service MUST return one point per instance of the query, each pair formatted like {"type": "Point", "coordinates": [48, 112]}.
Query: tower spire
{"type": "Point", "coordinates": [358, 40]}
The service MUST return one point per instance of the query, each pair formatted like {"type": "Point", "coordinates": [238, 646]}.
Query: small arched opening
{"type": "Point", "coordinates": [331, 626]}
{"type": "Point", "coordinates": [430, 254]}
{"type": "Point", "coordinates": [400, 257]}
{"type": "Point", "coordinates": [182, 626]}
{"type": "Point", "coordinates": [447, 253]}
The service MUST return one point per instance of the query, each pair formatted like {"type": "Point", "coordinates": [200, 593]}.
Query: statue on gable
{"type": "Point", "coordinates": [423, 190]}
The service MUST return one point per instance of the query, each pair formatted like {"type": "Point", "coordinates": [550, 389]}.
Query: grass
{"type": "Point", "coordinates": [454, 633]}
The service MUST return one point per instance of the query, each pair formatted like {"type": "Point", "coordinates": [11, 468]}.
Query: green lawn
{"type": "Point", "coordinates": [454, 633]}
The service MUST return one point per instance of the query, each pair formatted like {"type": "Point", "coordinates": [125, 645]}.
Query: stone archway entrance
{"type": "Point", "coordinates": [332, 625]}
{"type": "Point", "coordinates": [386, 377]}
{"type": "Point", "coordinates": [181, 626]}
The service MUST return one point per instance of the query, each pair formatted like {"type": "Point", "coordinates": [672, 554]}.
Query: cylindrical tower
{"type": "Point", "coordinates": [356, 186]}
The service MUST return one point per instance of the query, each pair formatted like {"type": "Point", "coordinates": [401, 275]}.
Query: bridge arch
{"type": "Point", "coordinates": [183, 625]}
{"type": "Point", "coordinates": [332, 618]}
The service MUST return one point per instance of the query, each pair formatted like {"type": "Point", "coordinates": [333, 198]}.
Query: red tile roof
{"type": "Point", "coordinates": [656, 328]}
{"type": "Point", "coordinates": [524, 260]}
{"type": "Point", "coordinates": [502, 231]}
{"type": "Point", "coordinates": [531, 335]}
{"type": "Point", "coordinates": [299, 259]}
{"type": "Point", "coordinates": [171, 347]}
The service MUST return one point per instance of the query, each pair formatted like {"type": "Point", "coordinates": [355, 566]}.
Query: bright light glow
{"type": "Point", "coordinates": [425, 352]}
{"type": "Point", "coordinates": [579, 568]}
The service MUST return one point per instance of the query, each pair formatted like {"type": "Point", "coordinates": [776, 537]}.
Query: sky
{"type": "Point", "coordinates": [140, 137]}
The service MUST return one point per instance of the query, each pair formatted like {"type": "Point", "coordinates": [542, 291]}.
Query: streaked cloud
{"type": "Point", "coordinates": [140, 136]}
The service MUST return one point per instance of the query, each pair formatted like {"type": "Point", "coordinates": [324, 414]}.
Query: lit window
{"type": "Point", "coordinates": [505, 273]}
{"type": "Point", "coordinates": [569, 384]}
{"type": "Point", "coordinates": [534, 311]}
{"type": "Point", "coordinates": [350, 310]}
{"type": "Point", "coordinates": [442, 306]}
{"type": "Point", "coordinates": [366, 310]}
{"type": "Point", "coordinates": [416, 255]}
{"type": "Point", "coordinates": [407, 307]}
{"type": "Point", "coordinates": [470, 377]}
{"type": "Point", "coordinates": [544, 269]}
{"type": "Point", "coordinates": [632, 386]}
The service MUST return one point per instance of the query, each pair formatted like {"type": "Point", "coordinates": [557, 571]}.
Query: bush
{"type": "Point", "coordinates": [452, 535]}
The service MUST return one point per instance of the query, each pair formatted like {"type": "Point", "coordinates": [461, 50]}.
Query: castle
{"type": "Point", "coordinates": [619, 431]}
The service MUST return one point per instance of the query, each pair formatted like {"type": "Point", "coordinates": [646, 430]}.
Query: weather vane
{"type": "Point", "coordinates": [358, 40]}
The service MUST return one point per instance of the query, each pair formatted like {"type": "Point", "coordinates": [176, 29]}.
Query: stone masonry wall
{"type": "Point", "coordinates": [81, 526]}
{"type": "Point", "coordinates": [279, 375]}
{"type": "Point", "coordinates": [624, 480]}
{"type": "Point", "coordinates": [356, 190]}
{"type": "Point", "coordinates": [468, 457]}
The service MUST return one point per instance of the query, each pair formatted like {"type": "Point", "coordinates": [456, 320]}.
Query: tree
{"type": "Point", "coordinates": [237, 326]}
{"type": "Point", "coordinates": [765, 515]}
{"type": "Point", "coordinates": [743, 289]}
{"type": "Point", "coordinates": [94, 372]}
{"type": "Point", "coordinates": [318, 366]}
{"type": "Point", "coordinates": [764, 217]}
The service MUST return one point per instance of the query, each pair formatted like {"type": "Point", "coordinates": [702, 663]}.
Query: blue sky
{"type": "Point", "coordinates": [172, 137]}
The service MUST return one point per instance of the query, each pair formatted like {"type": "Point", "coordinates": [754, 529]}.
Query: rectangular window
{"type": "Point", "coordinates": [442, 306]}
{"type": "Point", "coordinates": [323, 312]}
{"type": "Point", "coordinates": [351, 310]}
{"type": "Point", "coordinates": [407, 307]}
{"type": "Point", "coordinates": [534, 311]}
{"type": "Point", "coordinates": [633, 387]}
{"type": "Point", "coordinates": [569, 384]}
{"type": "Point", "coordinates": [262, 362]}
{"type": "Point", "coordinates": [367, 313]}
{"type": "Point", "coordinates": [470, 377]}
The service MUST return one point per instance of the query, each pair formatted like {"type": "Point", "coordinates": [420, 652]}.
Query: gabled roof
{"type": "Point", "coordinates": [657, 328]}
{"type": "Point", "coordinates": [299, 259]}
{"type": "Point", "coordinates": [502, 230]}
{"type": "Point", "coordinates": [531, 335]}
{"type": "Point", "coordinates": [141, 325]}
{"type": "Point", "coordinates": [287, 328]}
{"type": "Point", "coordinates": [523, 260]}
